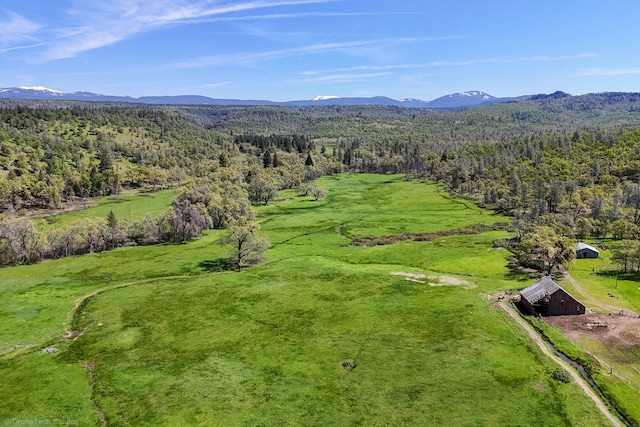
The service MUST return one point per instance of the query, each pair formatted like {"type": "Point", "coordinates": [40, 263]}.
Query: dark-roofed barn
{"type": "Point", "coordinates": [547, 298]}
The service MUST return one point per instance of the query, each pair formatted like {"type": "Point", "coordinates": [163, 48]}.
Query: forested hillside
{"type": "Point", "coordinates": [564, 166]}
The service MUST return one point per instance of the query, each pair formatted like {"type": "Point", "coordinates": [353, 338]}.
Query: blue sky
{"type": "Point", "coordinates": [298, 49]}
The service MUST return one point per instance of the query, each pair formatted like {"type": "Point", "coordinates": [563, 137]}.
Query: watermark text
{"type": "Point", "coordinates": [40, 422]}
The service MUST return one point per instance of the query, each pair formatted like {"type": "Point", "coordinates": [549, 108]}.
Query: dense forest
{"type": "Point", "coordinates": [565, 167]}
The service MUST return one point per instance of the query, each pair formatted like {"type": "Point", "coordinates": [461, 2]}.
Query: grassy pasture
{"type": "Point", "coordinates": [601, 279]}
{"type": "Point", "coordinates": [126, 206]}
{"type": "Point", "coordinates": [321, 334]}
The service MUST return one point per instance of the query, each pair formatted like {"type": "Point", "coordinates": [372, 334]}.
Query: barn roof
{"type": "Point", "coordinates": [538, 290]}
{"type": "Point", "coordinates": [581, 245]}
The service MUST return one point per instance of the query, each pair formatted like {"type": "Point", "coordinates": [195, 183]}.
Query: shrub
{"type": "Point", "coordinates": [561, 375]}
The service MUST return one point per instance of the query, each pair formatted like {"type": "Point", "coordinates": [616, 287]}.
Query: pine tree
{"type": "Point", "coordinates": [112, 221]}
{"type": "Point", "coordinates": [309, 161]}
{"type": "Point", "coordinates": [266, 160]}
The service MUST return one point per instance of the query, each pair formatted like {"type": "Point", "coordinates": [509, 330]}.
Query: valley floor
{"type": "Point", "coordinates": [325, 332]}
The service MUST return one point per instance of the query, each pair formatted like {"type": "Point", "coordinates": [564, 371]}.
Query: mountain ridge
{"type": "Point", "coordinates": [451, 101]}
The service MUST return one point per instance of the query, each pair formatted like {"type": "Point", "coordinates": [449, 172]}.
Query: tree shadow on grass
{"type": "Point", "coordinates": [516, 273]}
{"type": "Point", "coordinates": [217, 265]}
{"type": "Point", "coordinates": [632, 276]}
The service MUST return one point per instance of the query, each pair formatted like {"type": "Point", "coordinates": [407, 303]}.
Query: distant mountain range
{"type": "Point", "coordinates": [452, 101]}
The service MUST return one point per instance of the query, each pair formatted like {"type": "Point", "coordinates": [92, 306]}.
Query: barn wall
{"type": "Point", "coordinates": [586, 253]}
{"type": "Point", "coordinates": [527, 305]}
{"type": "Point", "coordinates": [562, 303]}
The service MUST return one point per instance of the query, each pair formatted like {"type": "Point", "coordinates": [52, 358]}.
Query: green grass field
{"type": "Point", "coordinates": [321, 334]}
{"type": "Point", "coordinates": [126, 206]}
{"type": "Point", "coordinates": [605, 281]}
{"type": "Point", "coordinates": [601, 277]}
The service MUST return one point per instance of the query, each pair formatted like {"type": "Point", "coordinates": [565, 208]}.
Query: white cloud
{"type": "Point", "coordinates": [555, 58]}
{"type": "Point", "coordinates": [302, 15]}
{"type": "Point", "coordinates": [29, 46]}
{"type": "Point", "coordinates": [255, 57]}
{"type": "Point", "coordinates": [208, 85]}
{"type": "Point", "coordinates": [599, 72]}
{"type": "Point", "coordinates": [100, 24]}
{"type": "Point", "coordinates": [345, 77]}
{"type": "Point", "coordinates": [463, 63]}
{"type": "Point", "coordinates": [367, 68]}
{"type": "Point", "coordinates": [17, 30]}
{"type": "Point", "coordinates": [357, 46]}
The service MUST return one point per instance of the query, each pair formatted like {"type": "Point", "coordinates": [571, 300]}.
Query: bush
{"type": "Point", "coordinates": [561, 375]}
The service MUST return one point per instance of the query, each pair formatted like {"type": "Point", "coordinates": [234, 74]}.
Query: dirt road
{"type": "Point", "coordinates": [576, 376]}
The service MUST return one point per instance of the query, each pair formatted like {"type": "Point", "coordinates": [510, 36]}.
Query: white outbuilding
{"type": "Point", "coordinates": [586, 251]}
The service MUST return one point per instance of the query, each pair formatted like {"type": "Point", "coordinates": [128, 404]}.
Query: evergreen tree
{"type": "Point", "coordinates": [276, 160]}
{"type": "Point", "coordinates": [309, 161]}
{"type": "Point", "coordinates": [266, 160]}
{"type": "Point", "coordinates": [112, 221]}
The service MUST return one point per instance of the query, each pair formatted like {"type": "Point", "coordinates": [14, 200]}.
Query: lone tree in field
{"type": "Point", "coordinates": [318, 192]}
{"type": "Point", "coordinates": [248, 247]}
{"type": "Point", "coordinates": [313, 189]}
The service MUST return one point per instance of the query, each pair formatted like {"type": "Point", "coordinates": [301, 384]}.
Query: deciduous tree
{"type": "Point", "coordinates": [93, 231]}
{"type": "Point", "coordinates": [183, 222]}
{"type": "Point", "coordinates": [249, 248]}
{"type": "Point", "coordinates": [317, 192]}
{"type": "Point", "coordinates": [545, 249]}
{"type": "Point", "coordinates": [263, 187]}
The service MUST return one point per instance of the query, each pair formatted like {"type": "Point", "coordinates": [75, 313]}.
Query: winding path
{"type": "Point", "coordinates": [576, 377]}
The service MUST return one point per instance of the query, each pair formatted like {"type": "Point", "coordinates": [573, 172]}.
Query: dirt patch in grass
{"type": "Point", "coordinates": [610, 329]}
{"type": "Point", "coordinates": [539, 386]}
{"type": "Point", "coordinates": [435, 280]}
{"type": "Point", "coordinates": [452, 281]}
{"type": "Point", "coordinates": [411, 277]}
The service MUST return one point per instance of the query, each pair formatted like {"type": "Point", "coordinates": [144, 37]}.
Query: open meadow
{"type": "Point", "coordinates": [324, 333]}
{"type": "Point", "coordinates": [128, 206]}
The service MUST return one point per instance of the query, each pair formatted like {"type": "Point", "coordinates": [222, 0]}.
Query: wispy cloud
{"type": "Point", "coordinates": [604, 72]}
{"type": "Point", "coordinates": [346, 77]}
{"type": "Point", "coordinates": [434, 64]}
{"type": "Point", "coordinates": [29, 46]}
{"type": "Point", "coordinates": [210, 85]}
{"type": "Point", "coordinates": [301, 15]}
{"type": "Point", "coordinates": [554, 58]}
{"type": "Point", "coordinates": [106, 23]}
{"type": "Point", "coordinates": [356, 46]}
{"type": "Point", "coordinates": [255, 57]}
{"type": "Point", "coordinates": [366, 68]}
{"type": "Point", "coordinates": [17, 29]}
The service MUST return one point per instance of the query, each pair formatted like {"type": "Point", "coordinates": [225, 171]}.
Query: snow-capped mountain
{"type": "Point", "coordinates": [39, 89]}
{"type": "Point", "coordinates": [29, 92]}
{"type": "Point", "coordinates": [324, 97]}
{"type": "Point", "coordinates": [474, 93]}
{"type": "Point", "coordinates": [462, 99]}
{"type": "Point", "coordinates": [455, 100]}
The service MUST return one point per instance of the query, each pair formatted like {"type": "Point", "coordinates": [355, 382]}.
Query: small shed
{"type": "Point", "coordinates": [585, 251]}
{"type": "Point", "coordinates": [547, 298]}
